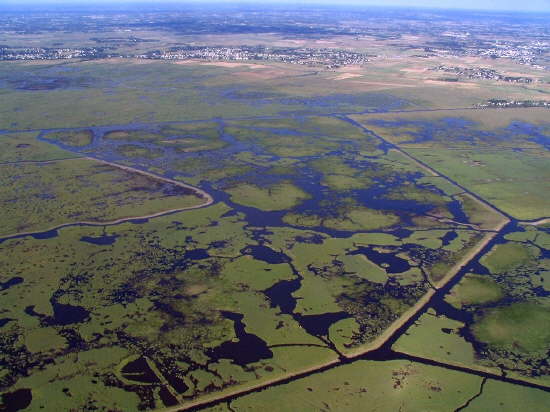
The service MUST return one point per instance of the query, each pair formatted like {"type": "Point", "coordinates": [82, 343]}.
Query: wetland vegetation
{"type": "Point", "coordinates": [221, 235]}
{"type": "Point", "coordinates": [322, 237]}
{"type": "Point", "coordinates": [499, 156]}
{"type": "Point", "coordinates": [286, 269]}
{"type": "Point", "coordinates": [499, 311]}
{"type": "Point", "coordinates": [82, 191]}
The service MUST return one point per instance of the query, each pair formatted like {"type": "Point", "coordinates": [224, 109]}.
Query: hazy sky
{"type": "Point", "coordinates": [525, 5]}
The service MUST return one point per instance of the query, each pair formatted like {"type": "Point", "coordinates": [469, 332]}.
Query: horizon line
{"type": "Point", "coordinates": [251, 3]}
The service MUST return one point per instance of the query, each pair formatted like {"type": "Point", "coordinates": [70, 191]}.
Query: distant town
{"type": "Point", "coordinates": [481, 73]}
{"type": "Point", "coordinates": [39, 53]}
{"type": "Point", "coordinates": [330, 58]}
{"type": "Point", "coordinates": [523, 52]}
{"type": "Point", "coordinates": [514, 103]}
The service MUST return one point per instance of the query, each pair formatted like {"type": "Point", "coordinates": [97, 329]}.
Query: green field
{"type": "Point", "coordinates": [24, 147]}
{"type": "Point", "coordinates": [81, 190]}
{"type": "Point", "coordinates": [508, 309]}
{"type": "Point", "coordinates": [499, 155]}
{"type": "Point", "coordinates": [475, 290]}
{"type": "Point", "coordinates": [126, 91]}
{"type": "Point", "coordinates": [390, 385]}
{"type": "Point", "coordinates": [521, 327]}
{"type": "Point", "coordinates": [278, 197]}
{"type": "Point", "coordinates": [77, 138]}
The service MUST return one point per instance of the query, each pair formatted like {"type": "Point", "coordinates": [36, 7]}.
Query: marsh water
{"type": "Point", "coordinates": [248, 348]}
{"type": "Point", "coordinates": [309, 180]}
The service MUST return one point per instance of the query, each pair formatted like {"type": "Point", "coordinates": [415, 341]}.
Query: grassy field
{"type": "Point", "coordinates": [24, 147]}
{"type": "Point", "coordinates": [133, 150]}
{"type": "Point", "coordinates": [522, 327]}
{"type": "Point", "coordinates": [505, 313]}
{"type": "Point", "coordinates": [140, 311]}
{"type": "Point", "coordinates": [38, 197]}
{"type": "Point", "coordinates": [498, 154]}
{"type": "Point", "coordinates": [513, 181]}
{"type": "Point", "coordinates": [118, 91]}
{"type": "Point", "coordinates": [475, 290]}
{"type": "Point", "coordinates": [506, 257]}
{"type": "Point", "coordinates": [77, 138]}
{"type": "Point", "coordinates": [391, 385]}
{"type": "Point", "coordinates": [126, 91]}
{"type": "Point", "coordinates": [278, 197]}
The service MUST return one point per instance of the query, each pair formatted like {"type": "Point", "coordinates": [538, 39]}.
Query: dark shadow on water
{"type": "Point", "coordinates": [167, 398]}
{"type": "Point", "coordinates": [319, 325]}
{"type": "Point", "coordinates": [177, 383]}
{"type": "Point", "coordinates": [388, 260]}
{"type": "Point", "coordinates": [63, 314]}
{"type": "Point", "coordinates": [104, 240]}
{"type": "Point", "coordinates": [138, 370]}
{"type": "Point", "coordinates": [45, 235]}
{"type": "Point", "coordinates": [280, 295]}
{"type": "Point", "coordinates": [16, 401]}
{"type": "Point", "coordinates": [265, 254]}
{"type": "Point", "coordinates": [4, 321]}
{"type": "Point", "coordinates": [196, 254]}
{"type": "Point", "coordinates": [11, 282]}
{"type": "Point", "coordinates": [455, 207]}
{"type": "Point", "coordinates": [449, 237]}
{"type": "Point", "coordinates": [401, 233]}
{"type": "Point", "coordinates": [68, 314]}
{"type": "Point", "coordinates": [138, 221]}
{"type": "Point", "coordinates": [443, 308]}
{"type": "Point", "coordinates": [248, 349]}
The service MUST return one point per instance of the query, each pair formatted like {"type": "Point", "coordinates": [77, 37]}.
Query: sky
{"type": "Point", "coordinates": [525, 5]}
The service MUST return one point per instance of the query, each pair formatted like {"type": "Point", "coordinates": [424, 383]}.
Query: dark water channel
{"type": "Point", "coordinates": [11, 282]}
{"type": "Point", "coordinates": [63, 314]}
{"type": "Point", "coordinates": [138, 370]}
{"type": "Point", "coordinates": [248, 349]}
{"type": "Point", "coordinates": [103, 240]}
{"type": "Point", "coordinates": [16, 401]}
{"type": "Point", "coordinates": [388, 260]}
{"type": "Point", "coordinates": [266, 254]}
